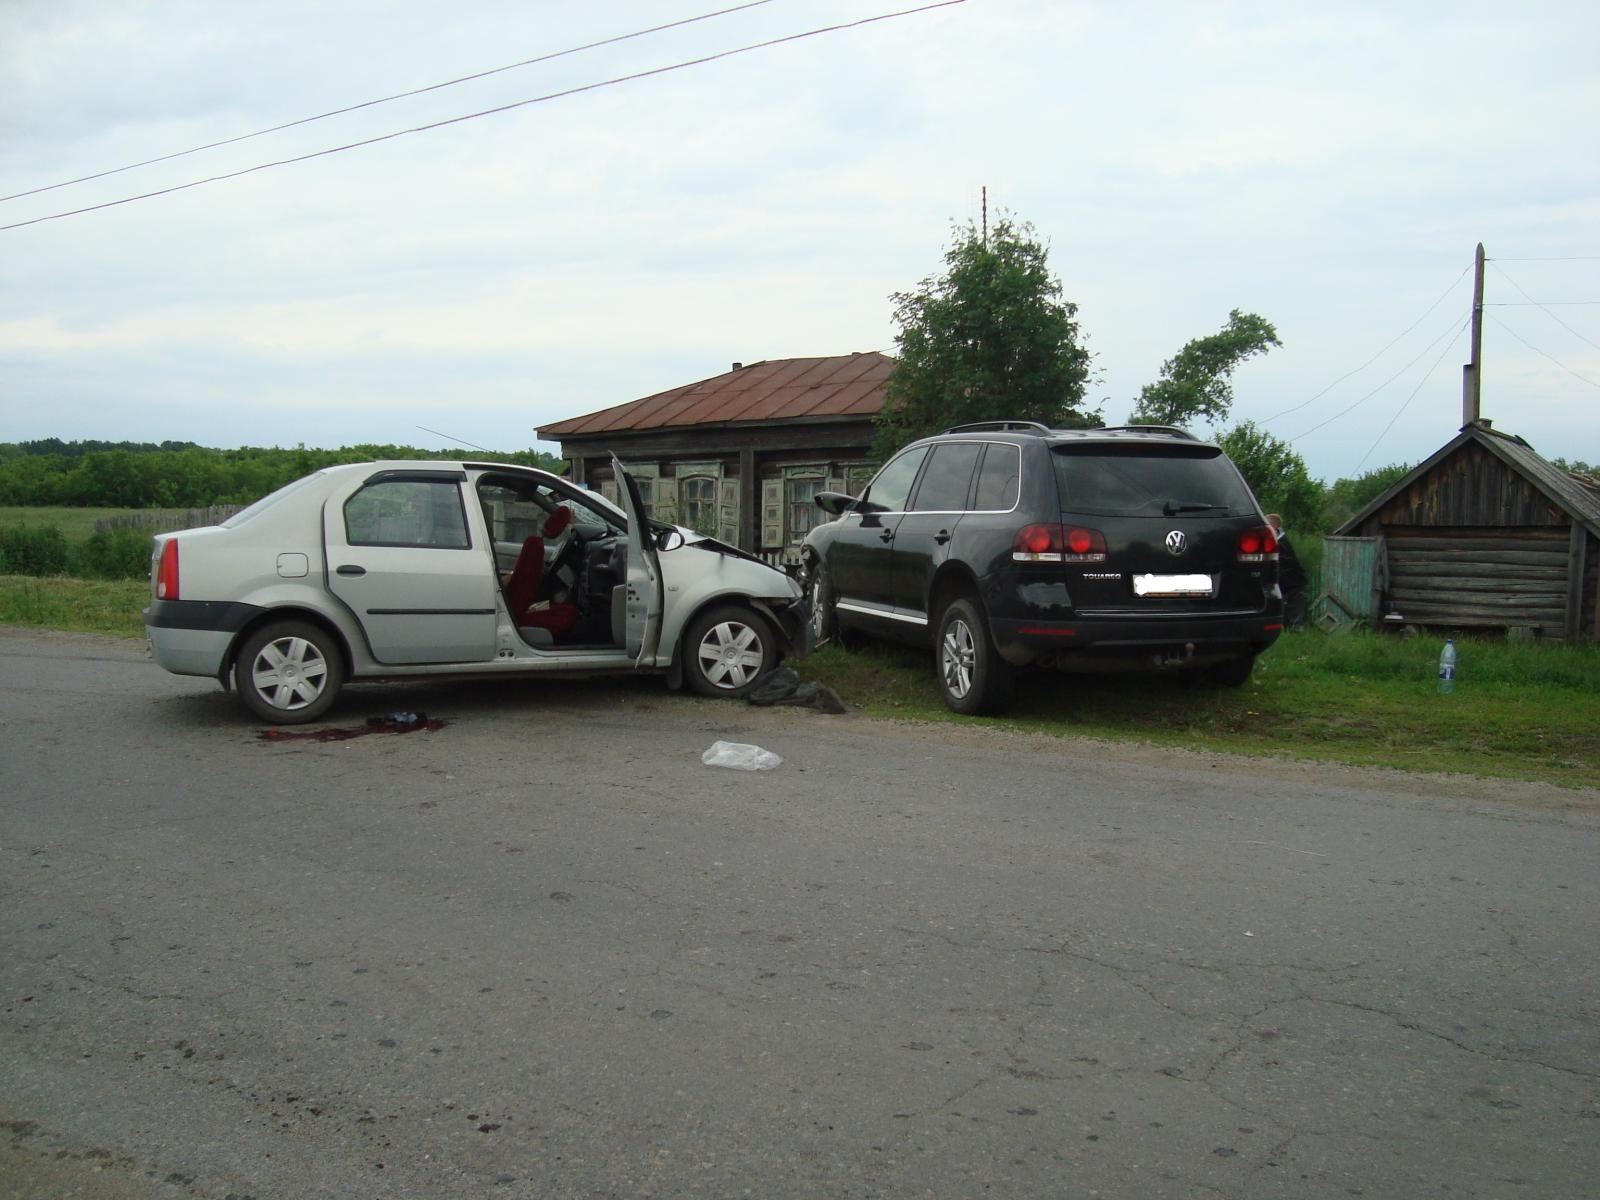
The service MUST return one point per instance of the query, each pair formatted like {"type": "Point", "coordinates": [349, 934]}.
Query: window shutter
{"type": "Point", "coordinates": [728, 511]}
{"type": "Point", "coordinates": [772, 513]}
{"type": "Point", "coordinates": [834, 483]}
{"type": "Point", "coordinates": [608, 489]}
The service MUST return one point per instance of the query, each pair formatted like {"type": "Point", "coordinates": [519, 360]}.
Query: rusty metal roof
{"type": "Point", "coordinates": [780, 389]}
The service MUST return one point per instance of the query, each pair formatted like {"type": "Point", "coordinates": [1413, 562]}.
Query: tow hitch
{"type": "Point", "coordinates": [1180, 658]}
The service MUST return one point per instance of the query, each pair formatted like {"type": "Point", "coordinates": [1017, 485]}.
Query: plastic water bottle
{"type": "Point", "coordinates": [1447, 666]}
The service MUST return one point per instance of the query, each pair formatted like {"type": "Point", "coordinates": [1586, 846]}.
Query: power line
{"type": "Point", "coordinates": [338, 112]}
{"type": "Point", "coordinates": [1384, 384]}
{"type": "Point", "coordinates": [1407, 404]}
{"type": "Point", "coordinates": [1554, 258]}
{"type": "Point", "coordinates": [1375, 357]}
{"type": "Point", "coordinates": [1536, 350]}
{"type": "Point", "coordinates": [1545, 309]}
{"type": "Point", "coordinates": [588, 87]}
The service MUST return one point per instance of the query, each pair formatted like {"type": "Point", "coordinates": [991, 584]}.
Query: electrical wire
{"type": "Point", "coordinates": [1375, 357]}
{"type": "Point", "coordinates": [1501, 272]}
{"type": "Point", "coordinates": [1536, 350]}
{"type": "Point", "coordinates": [339, 112]}
{"type": "Point", "coordinates": [573, 91]}
{"type": "Point", "coordinates": [1410, 398]}
{"type": "Point", "coordinates": [1345, 412]}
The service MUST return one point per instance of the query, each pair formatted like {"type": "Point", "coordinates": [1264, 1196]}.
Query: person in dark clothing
{"type": "Point", "coordinates": [1291, 577]}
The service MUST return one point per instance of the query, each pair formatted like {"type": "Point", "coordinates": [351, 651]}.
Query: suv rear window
{"type": "Point", "coordinates": [1149, 480]}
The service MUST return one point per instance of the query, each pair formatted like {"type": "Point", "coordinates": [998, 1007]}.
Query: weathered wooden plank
{"type": "Point", "coordinates": [1555, 601]}
{"type": "Point", "coordinates": [1415, 535]}
{"type": "Point", "coordinates": [1511, 614]}
{"type": "Point", "coordinates": [1575, 555]}
{"type": "Point", "coordinates": [1452, 569]}
{"type": "Point", "coordinates": [1481, 585]}
{"type": "Point", "coordinates": [1533, 558]}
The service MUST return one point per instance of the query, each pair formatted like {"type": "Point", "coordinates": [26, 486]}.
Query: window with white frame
{"type": "Point", "coordinates": [803, 512]}
{"type": "Point", "coordinates": [697, 503]}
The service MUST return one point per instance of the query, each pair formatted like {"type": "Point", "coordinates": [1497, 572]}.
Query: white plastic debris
{"type": "Point", "coordinates": [740, 756]}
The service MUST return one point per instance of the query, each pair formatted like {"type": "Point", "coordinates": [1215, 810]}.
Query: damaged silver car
{"type": "Point", "coordinates": [390, 570]}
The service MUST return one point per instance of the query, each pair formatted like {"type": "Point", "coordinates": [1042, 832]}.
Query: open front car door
{"type": "Point", "coordinates": [645, 592]}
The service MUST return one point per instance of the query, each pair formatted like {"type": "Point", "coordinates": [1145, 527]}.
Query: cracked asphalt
{"type": "Point", "coordinates": [544, 952]}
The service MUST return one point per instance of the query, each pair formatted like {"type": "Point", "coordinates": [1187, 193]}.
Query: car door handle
{"type": "Point", "coordinates": [942, 536]}
{"type": "Point", "coordinates": [886, 536]}
{"type": "Point", "coordinates": [352, 570]}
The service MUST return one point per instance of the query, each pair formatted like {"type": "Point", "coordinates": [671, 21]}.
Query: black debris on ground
{"type": "Point", "coordinates": [398, 722]}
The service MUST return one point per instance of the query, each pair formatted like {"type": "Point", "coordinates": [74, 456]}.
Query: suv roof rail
{"type": "Point", "coordinates": [999, 427]}
{"type": "Point", "coordinates": [1170, 430]}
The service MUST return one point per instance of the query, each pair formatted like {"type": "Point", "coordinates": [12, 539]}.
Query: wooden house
{"type": "Point", "coordinates": [739, 455]}
{"type": "Point", "coordinates": [1486, 535]}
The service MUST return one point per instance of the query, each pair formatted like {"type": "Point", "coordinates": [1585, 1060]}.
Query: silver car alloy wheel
{"type": "Point", "coordinates": [819, 616]}
{"type": "Point", "coordinates": [730, 654]}
{"type": "Point", "coordinates": [956, 657]}
{"type": "Point", "coordinates": [289, 673]}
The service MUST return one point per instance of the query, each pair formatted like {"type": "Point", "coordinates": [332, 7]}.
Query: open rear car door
{"type": "Point", "coordinates": [645, 592]}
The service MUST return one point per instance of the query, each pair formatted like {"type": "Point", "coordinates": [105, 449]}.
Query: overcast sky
{"type": "Point", "coordinates": [1329, 166]}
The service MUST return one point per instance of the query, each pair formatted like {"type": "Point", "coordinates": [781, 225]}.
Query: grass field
{"type": "Point", "coordinates": [76, 524]}
{"type": "Point", "coordinates": [1520, 710]}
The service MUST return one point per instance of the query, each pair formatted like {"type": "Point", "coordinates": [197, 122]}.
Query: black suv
{"type": "Point", "coordinates": [1008, 544]}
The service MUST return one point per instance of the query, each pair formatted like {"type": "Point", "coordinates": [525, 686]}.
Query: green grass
{"type": "Point", "coordinates": [76, 524]}
{"type": "Point", "coordinates": [1520, 710]}
{"type": "Point", "coordinates": [77, 605]}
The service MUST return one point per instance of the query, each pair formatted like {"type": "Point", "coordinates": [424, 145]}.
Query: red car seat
{"type": "Point", "coordinates": [522, 588]}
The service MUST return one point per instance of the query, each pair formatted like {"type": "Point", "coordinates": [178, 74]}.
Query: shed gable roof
{"type": "Point", "coordinates": [781, 389]}
{"type": "Point", "coordinates": [1568, 492]}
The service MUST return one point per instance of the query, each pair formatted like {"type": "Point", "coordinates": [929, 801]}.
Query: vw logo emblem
{"type": "Point", "coordinates": [1177, 541]}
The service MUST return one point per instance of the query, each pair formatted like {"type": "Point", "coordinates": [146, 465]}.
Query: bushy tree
{"type": "Point", "coordinates": [1196, 384]}
{"type": "Point", "coordinates": [1276, 474]}
{"type": "Point", "coordinates": [1346, 497]}
{"type": "Point", "coordinates": [990, 339]}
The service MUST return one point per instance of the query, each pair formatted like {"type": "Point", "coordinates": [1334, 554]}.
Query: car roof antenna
{"type": "Point", "coordinates": [469, 445]}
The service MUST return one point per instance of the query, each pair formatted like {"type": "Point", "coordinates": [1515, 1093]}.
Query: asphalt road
{"type": "Point", "coordinates": [544, 952]}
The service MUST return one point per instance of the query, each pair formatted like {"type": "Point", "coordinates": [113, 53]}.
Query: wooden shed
{"type": "Point", "coordinates": [1486, 534]}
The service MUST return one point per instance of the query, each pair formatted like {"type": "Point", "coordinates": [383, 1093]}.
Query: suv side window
{"type": "Point", "coordinates": [948, 478]}
{"type": "Point", "coordinates": [891, 489]}
{"type": "Point", "coordinates": [999, 479]}
{"type": "Point", "coordinates": [407, 512]}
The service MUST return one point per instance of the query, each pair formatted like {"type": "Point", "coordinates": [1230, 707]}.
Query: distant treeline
{"type": "Point", "coordinates": [182, 474]}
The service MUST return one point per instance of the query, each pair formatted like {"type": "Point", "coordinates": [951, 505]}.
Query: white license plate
{"type": "Point", "coordinates": [1172, 585]}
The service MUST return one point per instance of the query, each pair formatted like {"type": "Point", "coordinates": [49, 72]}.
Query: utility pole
{"type": "Point", "coordinates": [1472, 373]}
{"type": "Point", "coordinates": [986, 215]}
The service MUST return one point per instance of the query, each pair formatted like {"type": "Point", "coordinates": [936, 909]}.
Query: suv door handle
{"type": "Point", "coordinates": [351, 570]}
{"type": "Point", "coordinates": [886, 536]}
{"type": "Point", "coordinates": [942, 536]}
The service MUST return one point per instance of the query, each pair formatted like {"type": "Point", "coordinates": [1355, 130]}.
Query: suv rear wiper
{"type": "Point", "coordinates": [1173, 507]}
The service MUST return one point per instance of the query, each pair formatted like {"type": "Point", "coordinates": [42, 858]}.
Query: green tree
{"type": "Point", "coordinates": [990, 339]}
{"type": "Point", "coordinates": [1276, 474]}
{"type": "Point", "coordinates": [1346, 497]}
{"type": "Point", "coordinates": [1197, 382]}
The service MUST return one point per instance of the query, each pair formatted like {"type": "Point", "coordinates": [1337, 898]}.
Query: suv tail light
{"type": "Point", "coordinates": [167, 572]}
{"type": "Point", "coordinates": [1058, 543]}
{"type": "Point", "coordinates": [1258, 544]}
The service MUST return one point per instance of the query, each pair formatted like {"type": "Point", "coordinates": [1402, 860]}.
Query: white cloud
{"type": "Point", "coordinates": [1330, 169]}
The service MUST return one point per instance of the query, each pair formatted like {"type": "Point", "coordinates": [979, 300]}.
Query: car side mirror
{"type": "Point", "coordinates": [669, 539]}
{"type": "Point", "coordinates": [834, 503]}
